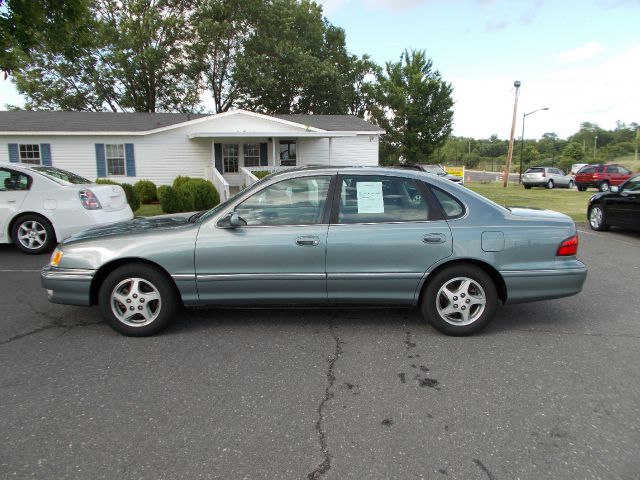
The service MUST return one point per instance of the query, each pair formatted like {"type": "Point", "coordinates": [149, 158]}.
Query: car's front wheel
{"type": "Point", "coordinates": [597, 219]}
{"type": "Point", "coordinates": [137, 300]}
{"type": "Point", "coordinates": [33, 234]}
{"type": "Point", "coordinates": [459, 300]}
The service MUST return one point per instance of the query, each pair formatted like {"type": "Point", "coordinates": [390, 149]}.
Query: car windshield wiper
{"type": "Point", "coordinates": [196, 216]}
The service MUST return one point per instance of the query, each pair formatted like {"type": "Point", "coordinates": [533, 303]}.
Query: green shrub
{"type": "Point", "coordinates": [146, 191]}
{"type": "Point", "coordinates": [180, 180]}
{"type": "Point", "coordinates": [132, 196]}
{"type": "Point", "coordinates": [203, 195]}
{"type": "Point", "coordinates": [105, 181]}
{"type": "Point", "coordinates": [160, 191]}
{"type": "Point", "coordinates": [261, 173]}
{"type": "Point", "coordinates": [175, 200]}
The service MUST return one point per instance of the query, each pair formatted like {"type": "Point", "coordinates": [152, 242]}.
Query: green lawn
{"type": "Point", "coordinates": [570, 202]}
{"type": "Point", "coordinates": [149, 210]}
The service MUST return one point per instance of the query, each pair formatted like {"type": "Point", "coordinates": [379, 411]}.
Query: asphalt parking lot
{"type": "Point", "coordinates": [549, 390]}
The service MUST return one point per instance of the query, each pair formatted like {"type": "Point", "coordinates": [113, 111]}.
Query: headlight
{"type": "Point", "coordinates": [56, 256]}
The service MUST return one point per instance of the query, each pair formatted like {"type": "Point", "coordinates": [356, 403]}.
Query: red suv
{"type": "Point", "coordinates": [601, 176]}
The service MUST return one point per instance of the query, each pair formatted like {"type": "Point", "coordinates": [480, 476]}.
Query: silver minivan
{"type": "Point", "coordinates": [548, 177]}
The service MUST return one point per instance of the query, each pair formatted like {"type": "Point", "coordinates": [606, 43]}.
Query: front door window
{"type": "Point", "coordinates": [288, 153]}
{"type": "Point", "coordinates": [230, 157]}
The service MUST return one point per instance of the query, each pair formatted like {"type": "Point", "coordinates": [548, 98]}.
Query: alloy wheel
{"type": "Point", "coordinates": [32, 234]}
{"type": "Point", "coordinates": [136, 302]}
{"type": "Point", "coordinates": [461, 301]}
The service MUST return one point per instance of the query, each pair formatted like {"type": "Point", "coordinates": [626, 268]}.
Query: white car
{"type": "Point", "coordinates": [41, 205]}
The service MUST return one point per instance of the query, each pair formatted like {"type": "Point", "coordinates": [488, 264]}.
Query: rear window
{"type": "Point", "coordinates": [63, 175]}
{"type": "Point", "coordinates": [623, 170]}
{"type": "Point", "coordinates": [535, 170]}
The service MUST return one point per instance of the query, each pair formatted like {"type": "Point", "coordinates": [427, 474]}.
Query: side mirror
{"type": "Point", "coordinates": [232, 220]}
{"type": "Point", "coordinates": [615, 189]}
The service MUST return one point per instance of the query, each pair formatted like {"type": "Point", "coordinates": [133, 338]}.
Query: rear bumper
{"type": "Point", "coordinates": [535, 183]}
{"type": "Point", "coordinates": [532, 285]}
{"type": "Point", "coordinates": [91, 218]}
{"type": "Point", "coordinates": [69, 286]}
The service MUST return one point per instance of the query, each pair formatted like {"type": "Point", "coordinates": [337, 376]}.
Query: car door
{"type": "Point", "coordinates": [274, 254]}
{"type": "Point", "coordinates": [384, 235]}
{"type": "Point", "coordinates": [623, 208]}
{"type": "Point", "coordinates": [14, 188]}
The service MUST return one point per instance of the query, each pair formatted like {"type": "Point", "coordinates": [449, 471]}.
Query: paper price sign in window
{"type": "Point", "coordinates": [370, 197]}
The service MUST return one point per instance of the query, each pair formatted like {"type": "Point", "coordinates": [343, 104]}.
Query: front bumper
{"type": "Point", "coordinates": [69, 286]}
{"type": "Point", "coordinates": [532, 285]}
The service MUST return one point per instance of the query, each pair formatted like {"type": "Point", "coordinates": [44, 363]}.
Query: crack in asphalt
{"type": "Point", "coordinates": [324, 466]}
{"type": "Point", "coordinates": [484, 469]}
{"type": "Point", "coordinates": [55, 321]}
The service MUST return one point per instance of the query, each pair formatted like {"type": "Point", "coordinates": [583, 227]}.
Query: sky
{"type": "Point", "coordinates": [579, 58]}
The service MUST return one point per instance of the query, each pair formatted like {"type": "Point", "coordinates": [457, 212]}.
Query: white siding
{"type": "Point", "coordinates": [358, 150]}
{"type": "Point", "coordinates": [243, 123]}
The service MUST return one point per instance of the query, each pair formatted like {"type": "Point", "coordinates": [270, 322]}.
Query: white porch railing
{"type": "Point", "coordinates": [215, 177]}
{"type": "Point", "coordinates": [249, 178]}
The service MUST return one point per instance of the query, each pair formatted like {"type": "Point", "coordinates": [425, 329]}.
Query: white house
{"type": "Point", "coordinates": [224, 148]}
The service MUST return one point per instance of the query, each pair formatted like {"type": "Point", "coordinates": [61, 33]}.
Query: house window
{"type": "Point", "coordinates": [30, 154]}
{"type": "Point", "coordinates": [230, 157]}
{"type": "Point", "coordinates": [114, 155]}
{"type": "Point", "coordinates": [288, 153]}
{"type": "Point", "coordinates": [252, 155]}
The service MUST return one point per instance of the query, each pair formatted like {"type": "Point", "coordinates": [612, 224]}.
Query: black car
{"type": "Point", "coordinates": [619, 207]}
{"type": "Point", "coordinates": [435, 169]}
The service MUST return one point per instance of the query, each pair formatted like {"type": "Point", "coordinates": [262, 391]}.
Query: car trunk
{"type": "Point", "coordinates": [534, 174]}
{"type": "Point", "coordinates": [111, 197]}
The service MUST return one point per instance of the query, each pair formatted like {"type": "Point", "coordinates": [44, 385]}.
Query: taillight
{"type": "Point", "coordinates": [568, 247]}
{"type": "Point", "coordinates": [89, 200]}
{"type": "Point", "coordinates": [544, 174]}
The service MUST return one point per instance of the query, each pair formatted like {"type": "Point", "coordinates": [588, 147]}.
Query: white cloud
{"type": "Point", "coordinates": [583, 52]}
{"type": "Point", "coordinates": [602, 94]}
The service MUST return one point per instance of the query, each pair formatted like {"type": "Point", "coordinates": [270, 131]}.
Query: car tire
{"type": "Point", "coordinates": [582, 189]}
{"type": "Point", "coordinates": [550, 184]}
{"type": "Point", "coordinates": [604, 187]}
{"type": "Point", "coordinates": [33, 234]}
{"type": "Point", "coordinates": [138, 300]}
{"type": "Point", "coordinates": [475, 293]}
{"type": "Point", "coordinates": [571, 184]}
{"type": "Point", "coordinates": [528, 187]}
{"type": "Point", "coordinates": [598, 219]}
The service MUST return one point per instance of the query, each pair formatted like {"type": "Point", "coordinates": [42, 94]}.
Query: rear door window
{"type": "Point", "coordinates": [10, 180]}
{"type": "Point", "coordinates": [452, 208]}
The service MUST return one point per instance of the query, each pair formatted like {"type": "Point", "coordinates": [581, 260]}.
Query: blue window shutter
{"type": "Point", "coordinates": [217, 153]}
{"type": "Point", "coordinates": [130, 159]}
{"type": "Point", "coordinates": [13, 152]}
{"type": "Point", "coordinates": [45, 154]}
{"type": "Point", "coordinates": [101, 166]}
{"type": "Point", "coordinates": [264, 158]}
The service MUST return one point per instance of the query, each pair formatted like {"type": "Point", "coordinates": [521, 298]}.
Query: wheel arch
{"type": "Point", "coordinates": [495, 276]}
{"type": "Point", "coordinates": [19, 215]}
{"type": "Point", "coordinates": [102, 273]}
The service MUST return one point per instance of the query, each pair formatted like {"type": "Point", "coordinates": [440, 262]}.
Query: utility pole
{"type": "Point", "coordinates": [595, 146]}
{"type": "Point", "coordinates": [637, 141]}
{"type": "Point", "coordinates": [513, 129]}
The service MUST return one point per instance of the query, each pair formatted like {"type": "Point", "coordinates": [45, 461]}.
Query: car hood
{"type": "Point", "coordinates": [135, 226]}
{"type": "Point", "coordinates": [538, 213]}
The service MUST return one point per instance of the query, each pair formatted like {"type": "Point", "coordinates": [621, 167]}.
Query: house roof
{"type": "Point", "coordinates": [53, 121]}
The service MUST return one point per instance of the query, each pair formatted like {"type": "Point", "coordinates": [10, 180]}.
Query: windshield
{"type": "Point", "coordinates": [57, 174]}
{"type": "Point", "coordinates": [434, 169]}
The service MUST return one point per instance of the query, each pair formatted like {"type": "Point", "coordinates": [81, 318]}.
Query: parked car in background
{"type": "Point", "coordinates": [434, 169]}
{"type": "Point", "coordinates": [42, 205]}
{"type": "Point", "coordinates": [601, 176]}
{"type": "Point", "coordinates": [575, 168]}
{"type": "Point", "coordinates": [618, 207]}
{"type": "Point", "coordinates": [325, 236]}
{"type": "Point", "coordinates": [548, 177]}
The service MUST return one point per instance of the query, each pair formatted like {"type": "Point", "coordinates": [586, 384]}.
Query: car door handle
{"type": "Point", "coordinates": [11, 201]}
{"type": "Point", "coordinates": [434, 238]}
{"type": "Point", "coordinates": [307, 241]}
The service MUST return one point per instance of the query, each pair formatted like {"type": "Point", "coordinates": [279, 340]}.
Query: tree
{"type": "Point", "coordinates": [223, 27]}
{"type": "Point", "coordinates": [363, 75]}
{"type": "Point", "coordinates": [416, 107]}
{"type": "Point", "coordinates": [294, 62]}
{"type": "Point", "coordinates": [531, 155]}
{"type": "Point", "coordinates": [573, 151]}
{"type": "Point", "coordinates": [26, 25]}
{"type": "Point", "coordinates": [136, 60]}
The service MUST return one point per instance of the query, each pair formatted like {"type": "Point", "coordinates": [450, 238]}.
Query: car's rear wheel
{"type": "Point", "coordinates": [137, 300]}
{"type": "Point", "coordinates": [550, 184]}
{"type": "Point", "coordinates": [527, 187]}
{"type": "Point", "coordinates": [604, 187]}
{"type": "Point", "coordinates": [33, 234]}
{"type": "Point", "coordinates": [571, 184]}
{"type": "Point", "coordinates": [582, 189]}
{"type": "Point", "coordinates": [597, 219]}
{"type": "Point", "coordinates": [459, 300]}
